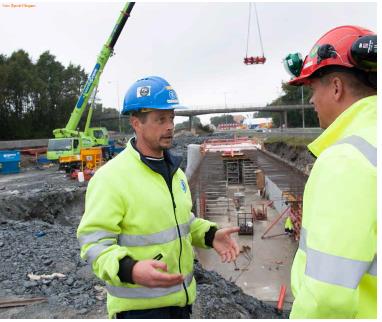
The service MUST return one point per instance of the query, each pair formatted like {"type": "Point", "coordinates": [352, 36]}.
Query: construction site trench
{"type": "Point", "coordinates": [43, 276]}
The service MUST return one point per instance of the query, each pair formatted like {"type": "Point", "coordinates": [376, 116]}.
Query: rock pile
{"type": "Point", "coordinates": [33, 252]}
{"type": "Point", "coordinates": [42, 249]}
{"type": "Point", "coordinates": [218, 298]}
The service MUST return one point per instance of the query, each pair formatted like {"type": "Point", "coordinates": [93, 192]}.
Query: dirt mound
{"type": "Point", "coordinates": [298, 155]}
{"type": "Point", "coordinates": [51, 205]}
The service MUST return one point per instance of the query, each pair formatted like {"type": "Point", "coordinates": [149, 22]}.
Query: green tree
{"type": "Point", "coordinates": [292, 95]}
{"type": "Point", "coordinates": [4, 108]}
{"type": "Point", "coordinates": [74, 79]}
{"type": "Point", "coordinates": [222, 119]}
{"type": "Point", "coordinates": [17, 93]}
{"type": "Point", "coordinates": [186, 124]}
{"type": "Point", "coordinates": [48, 102]}
{"type": "Point", "coordinates": [36, 98]}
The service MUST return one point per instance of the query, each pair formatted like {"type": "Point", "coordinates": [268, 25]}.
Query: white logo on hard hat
{"type": "Point", "coordinates": [173, 99]}
{"type": "Point", "coordinates": [172, 95]}
{"type": "Point", "coordinates": [143, 91]}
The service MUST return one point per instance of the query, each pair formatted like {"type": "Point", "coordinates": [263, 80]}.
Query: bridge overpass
{"type": "Point", "coordinates": [208, 109]}
{"type": "Point", "coordinates": [283, 109]}
{"type": "Point", "coordinates": [199, 110]}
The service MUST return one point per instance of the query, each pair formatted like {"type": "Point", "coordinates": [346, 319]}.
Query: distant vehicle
{"type": "Point", "coordinates": [260, 123]}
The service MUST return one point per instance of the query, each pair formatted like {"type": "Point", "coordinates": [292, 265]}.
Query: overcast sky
{"type": "Point", "coordinates": [197, 47]}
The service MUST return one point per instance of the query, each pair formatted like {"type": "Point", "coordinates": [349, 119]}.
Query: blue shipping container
{"type": "Point", "coordinates": [9, 161]}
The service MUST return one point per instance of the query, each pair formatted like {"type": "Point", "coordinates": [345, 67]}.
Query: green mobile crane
{"type": "Point", "coordinates": [69, 141]}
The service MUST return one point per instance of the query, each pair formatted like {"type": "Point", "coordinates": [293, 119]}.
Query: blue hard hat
{"type": "Point", "coordinates": [150, 92]}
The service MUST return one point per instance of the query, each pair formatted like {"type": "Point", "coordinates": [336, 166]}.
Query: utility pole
{"type": "Point", "coordinates": [225, 105]}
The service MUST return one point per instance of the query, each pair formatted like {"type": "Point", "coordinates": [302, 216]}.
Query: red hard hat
{"type": "Point", "coordinates": [333, 48]}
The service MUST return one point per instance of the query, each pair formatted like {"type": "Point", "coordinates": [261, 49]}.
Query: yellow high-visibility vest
{"type": "Point", "coordinates": [334, 273]}
{"type": "Point", "coordinates": [288, 224]}
{"type": "Point", "coordinates": [129, 211]}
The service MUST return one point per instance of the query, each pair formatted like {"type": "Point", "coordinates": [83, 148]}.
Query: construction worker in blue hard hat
{"type": "Point", "coordinates": [334, 272]}
{"type": "Point", "coordinates": [138, 230]}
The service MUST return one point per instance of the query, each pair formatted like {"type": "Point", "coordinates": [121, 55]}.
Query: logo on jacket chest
{"type": "Point", "coordinates": [183, 185]}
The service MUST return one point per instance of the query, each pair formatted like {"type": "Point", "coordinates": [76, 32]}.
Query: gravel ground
{"type": "Point", "coordinates": [39, 248]}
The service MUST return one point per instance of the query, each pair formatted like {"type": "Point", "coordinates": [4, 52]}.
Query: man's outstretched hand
{"type": "Point", "coordinates": [225, 245]}
{"type": "Point", "coordinates": [153, 273]}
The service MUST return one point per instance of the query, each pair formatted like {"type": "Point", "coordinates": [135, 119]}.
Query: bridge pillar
{"type": "Point", "coordinates": [286, 119]}
{"type": "Point", "coordinates": [190, 123]}
{"type": "Point", "coordinates": [303, 117]}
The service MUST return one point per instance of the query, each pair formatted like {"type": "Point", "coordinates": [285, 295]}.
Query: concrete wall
{"type": "Point", "coordinates": [194, 157]}
{"type": "Point", "coordinates": [274, 193]}
{"type": "Point", "coordinates": [22, 144]}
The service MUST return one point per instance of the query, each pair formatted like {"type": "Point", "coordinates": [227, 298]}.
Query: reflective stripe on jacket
{"type": "Point", "coordinates": [334, 273]}
{"type": "Point", "coordinates": [129, 211]}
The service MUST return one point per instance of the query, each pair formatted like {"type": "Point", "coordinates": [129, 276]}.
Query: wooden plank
{"type": "Point", "coordinates": [4, 303]}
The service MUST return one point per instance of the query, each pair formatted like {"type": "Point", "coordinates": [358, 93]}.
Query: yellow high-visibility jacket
{"type": "Point", "coordinates": [334, 273]}
{"type": "Point", "coordinates": [129, 211]}
{"type": "Point", "coordinates": [288, 224]}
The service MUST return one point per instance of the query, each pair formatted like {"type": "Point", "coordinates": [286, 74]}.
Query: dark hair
{"type": "Point", "coordinates": [142, 116]}
{"type": "Point", "coordinates": [362, 78]}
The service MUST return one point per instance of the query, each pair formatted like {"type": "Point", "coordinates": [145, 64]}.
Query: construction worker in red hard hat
{"type": "Point", "coordinates": [334, 273]}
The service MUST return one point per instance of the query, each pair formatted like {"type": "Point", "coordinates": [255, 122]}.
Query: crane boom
{"type": "Point", "coordinates": [93, 79]}
{"type": "Point", "coordinates": [69, 141]}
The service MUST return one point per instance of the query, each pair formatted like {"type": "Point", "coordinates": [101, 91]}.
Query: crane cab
{"type": "Point", "coordinates": [99, 135]}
